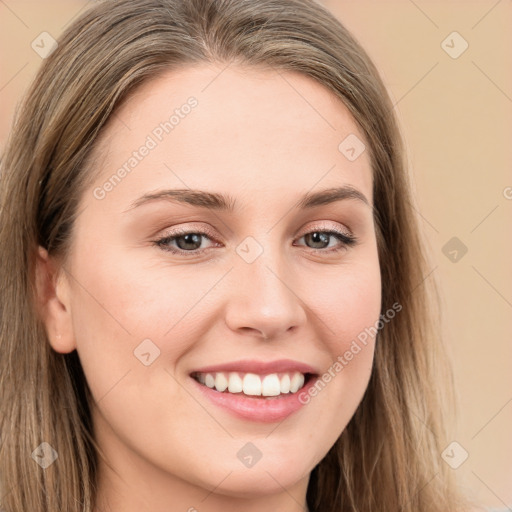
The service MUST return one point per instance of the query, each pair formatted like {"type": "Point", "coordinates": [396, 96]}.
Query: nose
{"type": "Point", "coordinates": [263, 301]}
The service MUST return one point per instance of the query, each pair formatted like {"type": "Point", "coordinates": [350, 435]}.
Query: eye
{"type": "Point", "coordinates": [320, 240]}
{"type": "Point", "coordinates": [186, 242]}
{"type": "Point", "coordinates": [189, 242]}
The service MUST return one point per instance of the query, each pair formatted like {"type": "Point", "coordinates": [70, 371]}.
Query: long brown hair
{"type": "Point", "coordinates": [389, 456]}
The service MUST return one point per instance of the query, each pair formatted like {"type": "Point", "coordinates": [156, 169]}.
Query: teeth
{"type": "Point", "coordinates": [235, 383]}
{"type": "Point", "coordinates": [285, 384]}
{"type": "Point", "coordinates": [221, 383]}
{"type": "Point", "coordinates": [209, 380]}
{"type": "Point", "coordinates": [271, 386]}
{"type": "Point", "coordinates": [296, 382]}
{"type": "Point", "coordinates": [252, 384]}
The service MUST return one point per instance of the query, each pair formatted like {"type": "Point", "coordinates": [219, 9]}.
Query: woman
{"type": "Point", "coordinates": [214, 291]}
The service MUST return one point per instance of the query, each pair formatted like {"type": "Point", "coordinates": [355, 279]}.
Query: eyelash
{"type": "Point", "coordinates": [345, 239]}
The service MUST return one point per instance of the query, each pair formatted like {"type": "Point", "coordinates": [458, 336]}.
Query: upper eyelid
{"type": "Point", "coordinates": [323, 226]}
{"type": "Point", "coordinates": [179, 232]}
{"type": "Point", "coordinates": [206, 233]}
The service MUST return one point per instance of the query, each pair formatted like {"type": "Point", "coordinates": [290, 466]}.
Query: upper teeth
{"type": "Point", "coordinates": [253, 384]}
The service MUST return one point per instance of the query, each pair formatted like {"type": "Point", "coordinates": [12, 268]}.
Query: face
{"type": "Point", "coordinates": [257, 286]}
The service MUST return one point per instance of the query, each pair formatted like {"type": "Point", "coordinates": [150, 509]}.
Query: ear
{"type": "Point", "coordinates": [53, 299]}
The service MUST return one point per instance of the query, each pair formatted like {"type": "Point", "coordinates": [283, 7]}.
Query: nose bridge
{"type": "Point", "coordinates": [263, 263]}
{"type": "Point", "coordinates": [263, 298]}
{"type": "Point", "coordinates": [266, 276]}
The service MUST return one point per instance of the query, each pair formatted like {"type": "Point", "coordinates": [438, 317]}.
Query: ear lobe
{"type": "Point", "coordinates": [53, 302]}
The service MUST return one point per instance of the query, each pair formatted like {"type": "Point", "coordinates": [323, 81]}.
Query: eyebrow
{"type": "Point", "coordinates": [221, 202]}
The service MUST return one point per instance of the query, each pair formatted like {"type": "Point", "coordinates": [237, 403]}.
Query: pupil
{"type": "Point", "coordinates": [321, 238]}
{"type": "Point", "coordinates": [190, 238]}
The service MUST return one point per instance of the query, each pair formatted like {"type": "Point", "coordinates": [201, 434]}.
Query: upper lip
{"type": "Point", "coordinates": [259, 367]}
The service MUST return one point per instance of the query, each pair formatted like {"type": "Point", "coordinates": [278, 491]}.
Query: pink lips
{"type": "Point", "coordinates": [259, 367]}
{"type": "Point", "coordinates": [260, 409]}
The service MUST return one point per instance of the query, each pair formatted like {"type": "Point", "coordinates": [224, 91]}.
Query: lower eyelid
{"type": "Point", "coordinates": [162, 242]}
{"type": "Point", "coordinates": [345, 241]}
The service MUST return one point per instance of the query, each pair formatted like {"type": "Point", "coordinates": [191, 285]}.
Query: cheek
{"type": "Point", "coordinates": [349, 307]}
{"type": "Point", "coordinates": [125, 300]}
{"type": "Point", "coordinates": [348, 303]}
{"type": "Point", "coordinates": [113, 315]}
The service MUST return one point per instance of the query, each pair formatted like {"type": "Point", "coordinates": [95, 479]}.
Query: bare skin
{"type": "Point", "coordinates": [264, 143]}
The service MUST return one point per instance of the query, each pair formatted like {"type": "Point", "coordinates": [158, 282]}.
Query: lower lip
{"type": "Point", "coordinates": [259, 409]}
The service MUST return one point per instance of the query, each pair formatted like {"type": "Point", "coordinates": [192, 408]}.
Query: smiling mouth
{"type": "Point", "coordinates": [272, 385]}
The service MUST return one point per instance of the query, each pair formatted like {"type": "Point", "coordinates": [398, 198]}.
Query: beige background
{"type": "Point", "coordinates": [456, 115]}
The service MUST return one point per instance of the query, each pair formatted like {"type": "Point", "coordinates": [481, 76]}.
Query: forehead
{"type": "Point", "coordinates": [215, 127]}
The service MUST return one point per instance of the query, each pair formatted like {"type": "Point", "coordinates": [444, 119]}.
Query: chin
{"type": "Point", "coordinates": [253, 483]}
